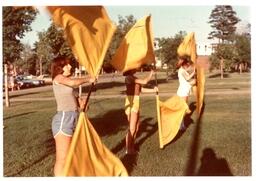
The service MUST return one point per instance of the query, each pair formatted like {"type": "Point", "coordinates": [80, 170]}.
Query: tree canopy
{"type": "Point", "coordinates": [16, 22]}
{"type": "Point", "coordinates": [223, 20]}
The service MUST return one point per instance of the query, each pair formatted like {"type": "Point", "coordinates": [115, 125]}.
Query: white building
{"type": "Point", "coordinates": [205, 48]}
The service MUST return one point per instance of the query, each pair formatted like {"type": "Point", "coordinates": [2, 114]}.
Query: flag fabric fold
{"type": "Point", "coordinates": [88, 31]}
{"type": "Point", "coordinates": [136, 49]}
{"type": "Point", "coordinates": [188, 48]}
{"type": "Point", "coordinates": [170, 114]}
{"type": "Point", "coordinates": [88, 156]}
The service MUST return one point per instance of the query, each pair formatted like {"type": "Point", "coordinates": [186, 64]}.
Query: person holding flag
{"type": "Point", "coordinates": [186, 80]}
{"type": "Point", "coordinates": [132, 105]}
{"type": "Point", "coordinates": [64, 121]}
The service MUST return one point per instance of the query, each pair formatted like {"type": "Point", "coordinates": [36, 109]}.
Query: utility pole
{"type": "Point", "coordinates": [7, 101]}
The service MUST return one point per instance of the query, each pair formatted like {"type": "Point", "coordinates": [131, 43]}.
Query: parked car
{"type": "Point", "coordinates": [26, 82]}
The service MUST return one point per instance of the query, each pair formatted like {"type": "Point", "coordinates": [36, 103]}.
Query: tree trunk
{"type": "Point", "coordinates": [7, 101]}
{"type": "Point", "coordinates": [40, 66]}
{"type": "Point", "coordinates": [241, 68]}
{"type": "Point", "coordinates": [221, 67]}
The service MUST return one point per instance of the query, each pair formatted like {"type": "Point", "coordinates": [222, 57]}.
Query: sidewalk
{"type": "Point", "coordinates": [161, 94]}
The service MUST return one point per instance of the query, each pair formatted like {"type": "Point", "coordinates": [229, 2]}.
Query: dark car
{"type": "Point", "coordinates": [26, 82]}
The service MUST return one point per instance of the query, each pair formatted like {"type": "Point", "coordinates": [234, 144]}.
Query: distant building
{"type": "Point", "coordinates": [205, 48]}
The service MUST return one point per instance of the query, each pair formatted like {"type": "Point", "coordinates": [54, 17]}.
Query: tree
{"type": "Point", "coordinates": [234, 56]}
{"type": "Point", "coordinates": [50, 44]}
{"type": "Point", "coordinates": [57, 42]}
{"type": "Point", "coordinates": [168, 49]}
{"type": "Point", "coordinates": [223, 20]}
{"type": "Point", "coordinates": [23, 62]}
{"type": "Point", "coordinates": [44, 53]}
{"type": "Point", "coordinates": [242, 44]}
{"type": "Point", "coordinates": [223, 57]}
{"type": "Point", "coordinates": [15, 23]}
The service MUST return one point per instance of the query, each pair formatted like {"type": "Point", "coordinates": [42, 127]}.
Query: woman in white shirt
{"type": "Point", "coordinates": [186, 79]}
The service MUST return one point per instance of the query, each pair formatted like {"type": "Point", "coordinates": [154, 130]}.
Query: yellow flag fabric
{"type": "Point", "coordinates": [188, 47]}
{"type": "Point", "coordinates": [136, 49]}
{"type": "Point", "coordinates": [88, 156]}
{"type": "Point", "coordinates": [170, 115]}
{"type": "Point", "coordinates": [200, 88]}
{"type": "Point", "coordinates": [88, 31]}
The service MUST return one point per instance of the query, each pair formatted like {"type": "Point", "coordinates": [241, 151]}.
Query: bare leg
{"type": "Point", "coordinates": [137, 125]}
{"type": "Point", "coordinates": [62, 146]}
{"type": "Point", "coordinates": [133, 127]}
{"type": "Point", "coordinates": [182, 126]}
{"type": "Point", "coordinates": [128, 135]}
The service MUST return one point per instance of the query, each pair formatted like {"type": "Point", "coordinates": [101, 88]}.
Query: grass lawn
{"type": "Point", "coordinates": [217, 144]}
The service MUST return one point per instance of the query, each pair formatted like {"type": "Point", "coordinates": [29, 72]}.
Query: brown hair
{"type": "Point", "coordinates": [182, 61]}
{"type": "Point", "coordinates": [57, 66]}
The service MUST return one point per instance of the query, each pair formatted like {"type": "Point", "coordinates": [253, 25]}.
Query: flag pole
{"type": "Point", "coordinates": [88, 97]}
{"type": "Point", "coordinates": [158, 112]}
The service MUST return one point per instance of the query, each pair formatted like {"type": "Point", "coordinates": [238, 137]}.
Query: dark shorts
{"type": "Point", "coordinates": [64, 122]}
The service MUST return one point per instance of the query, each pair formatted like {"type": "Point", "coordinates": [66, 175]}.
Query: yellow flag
{"type": "Point", "coordinates": [170, 115]}
{"type": "Point", "coordinates": [88, 31]}
{"type": "Point", "coordinates": [200, 88]}
{"type": "Point", "coordinates": [88, 156]}
{"type": "Point", "coordinates": [136, 49]}
{"type": "Point", "coordinates": [188, 47]}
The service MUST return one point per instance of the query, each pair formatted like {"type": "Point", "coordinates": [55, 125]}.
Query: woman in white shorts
{"type": "Point", "coordinates": [186, 79]}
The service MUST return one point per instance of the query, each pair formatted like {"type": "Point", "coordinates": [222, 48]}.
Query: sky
{"type": "Point", "coordinates": [167, 20]}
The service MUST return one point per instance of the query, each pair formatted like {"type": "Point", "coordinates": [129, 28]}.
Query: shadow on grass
{"type": "Point", "coordinates": [50, 149]}
{"type": "Point", "coordinates": [191, 164]}
{"type": "Point", "coordinates": [110, 123]}
{"type": "Point", "coordinates": [145, 131]}
{"type": "Point", "coordinates": [213, 166]}
{"type": "Point", "coordinates": [129, 162]}
{"type": "Point", "coordinates": [17, 115]}
{"type": "Point", "coordinates": [145, 128]}
{"type": "Point", "coordinates": [225, 75]}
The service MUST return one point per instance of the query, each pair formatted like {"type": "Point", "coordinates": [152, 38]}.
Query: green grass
{"type": "Point", "coordinates": [225, 128]}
